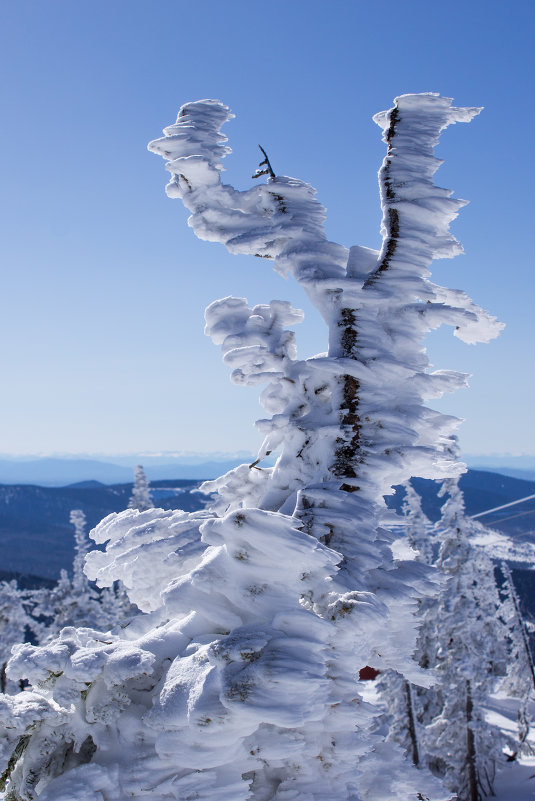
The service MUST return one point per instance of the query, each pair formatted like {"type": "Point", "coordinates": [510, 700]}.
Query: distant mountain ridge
{"type": "Point", "coordinates": [522, 466]}
{"type": "Point", "coordinates": [513, 472]}
{"type": "Point", "coordinates": [60, 472]}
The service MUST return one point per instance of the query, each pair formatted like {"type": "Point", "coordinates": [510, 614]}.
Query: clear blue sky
{"type": "Point", "coordinates": [104, 286]}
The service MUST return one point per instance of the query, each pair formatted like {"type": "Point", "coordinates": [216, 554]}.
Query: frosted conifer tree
{"type": "Point", "coordinates": [81, 547]}
{"type": "Point", "coordinates": [16, 621]}
{"type": "Point", "coordinates": [474, 641]}
{"type": "Point", "coordinates": [239, 681]}
{"type": "Point", "coordinates": [419, 529]}
{"type": "Point", "coordinates": [409, 707]}
{"type": "Point", "coordinates": [113, 606]}
{"type": "Point", "coordinates": [471, 654]}
{"type": "Point", "coordinates": [141, 498]}
{"type": "Point", "coordinates": [73, 601]}
{"type": "Point", "coordinates": [519, 681]}
{"type": "Point", "coordinates": [422, 536]}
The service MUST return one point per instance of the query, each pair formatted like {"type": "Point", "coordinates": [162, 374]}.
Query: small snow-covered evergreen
{"type": "Point", "coordinates": [75, 601]}
{"type": "Point", "coordinates": [141, 497]}
{"type": "Point", "coordinates": [81, 547]}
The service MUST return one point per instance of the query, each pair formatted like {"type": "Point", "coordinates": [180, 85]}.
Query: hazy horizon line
{"type": "Point", "coordinates": [217, 455]}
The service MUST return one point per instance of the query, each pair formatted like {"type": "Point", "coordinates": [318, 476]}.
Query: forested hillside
{"type": "Point", "coordinates": [35, 533]}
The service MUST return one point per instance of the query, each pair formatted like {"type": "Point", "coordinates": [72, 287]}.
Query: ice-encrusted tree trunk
{"type": "Point", "coordinates": [141, 498]}
{"type": "Point", "coordinates": [352, 421]}
{"type": "Point", "coordinates": [239, 681]}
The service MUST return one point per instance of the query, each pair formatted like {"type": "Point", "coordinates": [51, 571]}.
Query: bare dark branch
{"type": "Point", "coordinates": [268, 170]}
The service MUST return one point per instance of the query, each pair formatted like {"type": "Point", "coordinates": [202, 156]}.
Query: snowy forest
{"type": "Point", "coordinates": [295, 640]}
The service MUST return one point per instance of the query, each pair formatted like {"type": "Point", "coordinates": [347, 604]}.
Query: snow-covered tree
{"type": "Point", "coordinates": [475, 642]}
{"type": "Point", "coordinates": [470, 658]}
{"type": "Point", "coordinates": [519, 681]}
{"type": "Point", "coordinates": [141, 498]}
{"type": "Point", "coordinates": [16, 623]}
{"type": "Point", "coordinates": [409, 707]}
{"type": "Point", "coordinates": [418, 527]}
{"type": "Point", "coordinates": [113, 606]}
{"type": "Point", "coordinates": [81, 548]}
{"type": "Point", "coordinates": [74, 601]}
{"type": "Point", "coordinates": [239, 681]}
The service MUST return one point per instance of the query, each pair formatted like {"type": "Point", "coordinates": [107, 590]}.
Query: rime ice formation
{"type": "Point", "coordinates": [240, 680]}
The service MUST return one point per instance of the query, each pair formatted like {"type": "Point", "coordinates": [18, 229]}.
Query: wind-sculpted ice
{"type": "Point", "coordinates": [378, 306]}
{"type": "Point", "coordinates": [146, 550]}
{"type": "Point", "coordinates": [239, 681]}
{"type": "Point", "coordinates": [230, 666]}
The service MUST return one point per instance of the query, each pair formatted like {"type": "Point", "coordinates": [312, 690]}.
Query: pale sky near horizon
{"type": "Point", "coordinates": [104, 285]}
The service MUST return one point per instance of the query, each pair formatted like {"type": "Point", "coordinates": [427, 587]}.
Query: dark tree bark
{"type": "Point", "coordinates": [473, 789]}
{"type": "Point", "coordinates": [412, 724]}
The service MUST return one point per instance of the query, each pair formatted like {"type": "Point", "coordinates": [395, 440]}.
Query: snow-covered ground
{"type": "Point", "coordinates": [515, 781]}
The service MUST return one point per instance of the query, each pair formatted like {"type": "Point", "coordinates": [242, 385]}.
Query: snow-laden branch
{"type": "Point", "coordinates": [416, 213]}
{"type": "Point", "coordinates": [278, 220]}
